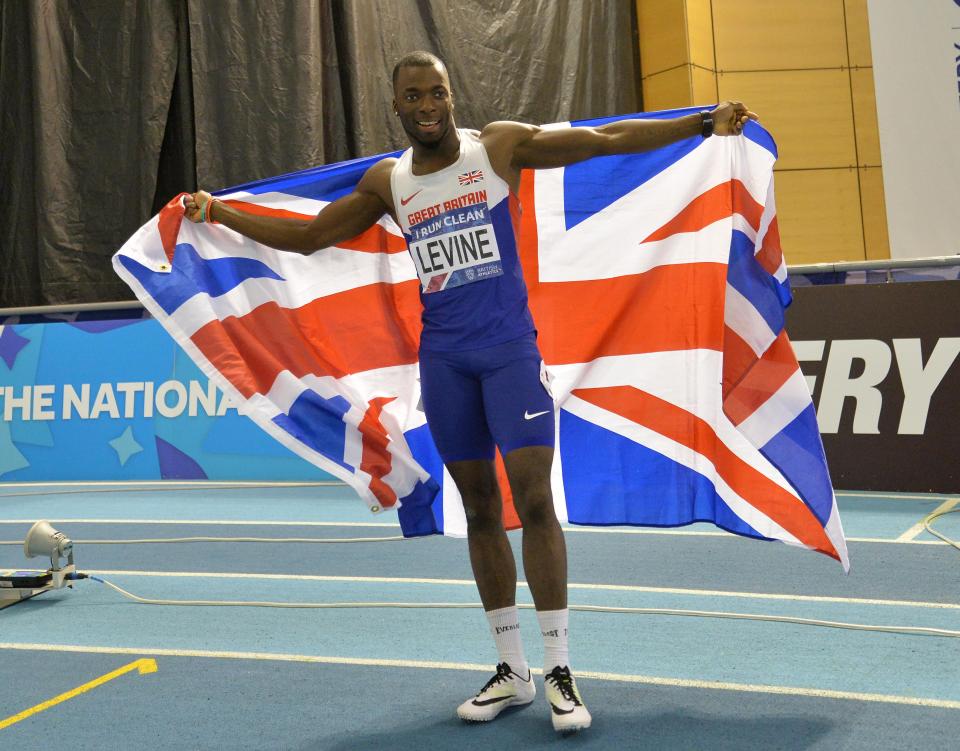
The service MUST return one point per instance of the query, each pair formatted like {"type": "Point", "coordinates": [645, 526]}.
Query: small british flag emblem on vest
{"type": "Point", "coordinates": [468, 178]}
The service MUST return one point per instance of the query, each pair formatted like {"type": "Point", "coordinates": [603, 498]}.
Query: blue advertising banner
{"type": "Point", "coordinates": [119, 400]}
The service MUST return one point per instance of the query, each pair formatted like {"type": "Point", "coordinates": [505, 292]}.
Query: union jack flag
{"type": "Point", "coordinates": [658, 287]}
{"type": "Point", "coordinates": [468, 178]}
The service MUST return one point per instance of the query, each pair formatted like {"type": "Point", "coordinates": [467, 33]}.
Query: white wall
{"type": "Point", "coordinates": [916, 59]}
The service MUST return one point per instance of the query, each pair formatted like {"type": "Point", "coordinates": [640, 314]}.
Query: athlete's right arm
{"type": "Point", "coordinates": [340, 220]}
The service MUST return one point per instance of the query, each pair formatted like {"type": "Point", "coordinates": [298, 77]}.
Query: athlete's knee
{"type": "Point", "coordinates": [535, 506]}
{"type": "Point", "coordinates": [484, 513]}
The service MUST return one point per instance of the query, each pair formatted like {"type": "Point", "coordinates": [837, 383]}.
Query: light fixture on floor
{"type": "Point", "coordinates": [41, 540]}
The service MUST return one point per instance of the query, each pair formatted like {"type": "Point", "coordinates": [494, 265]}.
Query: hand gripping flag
{"type": "Point", "coordinates": [658, 287]}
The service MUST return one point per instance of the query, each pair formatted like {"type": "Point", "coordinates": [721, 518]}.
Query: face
{"type": "Point", "coordinates": [424, 104]}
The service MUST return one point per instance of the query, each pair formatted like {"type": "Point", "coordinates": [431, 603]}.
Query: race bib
{"type": "Point", "coordinates": [455, 247]}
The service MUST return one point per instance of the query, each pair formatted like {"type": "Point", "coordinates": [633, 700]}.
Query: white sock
{"type": "Point", "coordinates": [553, 628]}
{"type": "Point", "coordinates": [505, 627]}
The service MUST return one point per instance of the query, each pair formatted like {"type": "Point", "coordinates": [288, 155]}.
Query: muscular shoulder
{"type": "Point", "coordinates": [379, 172]}
{"type": "Point", "coordinates": [501, 139]}
{"type": "Point", "coordinates": [377, 180]}
{"type": "Point", "coordinates": [507, 129]}
{"type": "Point", "coordinates": [505, 133]}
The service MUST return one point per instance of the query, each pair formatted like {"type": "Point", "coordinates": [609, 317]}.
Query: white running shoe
{"type": "Point", "coordinates": [566, 706]}
{"type": "Point", "coordinates": [505, 689]}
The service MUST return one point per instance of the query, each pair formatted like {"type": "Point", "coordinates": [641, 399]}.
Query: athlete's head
{"type": "Point", "coordinates": [422, 98]}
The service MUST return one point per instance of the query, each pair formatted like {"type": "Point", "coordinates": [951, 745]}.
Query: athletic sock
{"type": "Point", "coordinates": [505, 627]}
{"type": "Point", "coordinates": [553, 628]}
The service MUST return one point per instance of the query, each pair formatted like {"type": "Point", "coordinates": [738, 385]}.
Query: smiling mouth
{"type": "Point", "coordinates": [428, 124]}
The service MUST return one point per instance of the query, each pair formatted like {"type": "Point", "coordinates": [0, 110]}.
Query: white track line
{"type": "Point", "coordinates": [170, 483]}
{"type": "Point", "coordinates": [394, 525]}
{"type": "Point", "coordinates": [212, 522]}
{"type": "Point", "coordinates": [711, 533]}
{"type": "Point", "coordinates": [572, 585]}
{"type": "Point", "coordinates": [891, 496]}
{"type": "Point", "coordinates": [911, 534]}
{"type": "Point", "coordinates": [899, 542]}
{"type": "Point", "coordinates": [815, 693]}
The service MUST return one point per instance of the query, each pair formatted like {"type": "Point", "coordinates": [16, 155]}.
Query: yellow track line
{"type": "Point", "coordinates": [142, 666]}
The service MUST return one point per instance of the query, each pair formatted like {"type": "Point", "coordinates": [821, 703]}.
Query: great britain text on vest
{"type": "Point", "coordinates": [476, 196]}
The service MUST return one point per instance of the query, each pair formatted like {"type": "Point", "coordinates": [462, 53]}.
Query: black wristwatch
{"type": "Point", "coordinates": [706, 123]}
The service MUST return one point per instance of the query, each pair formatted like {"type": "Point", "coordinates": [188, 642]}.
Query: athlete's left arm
{"type": "Point", "coordinates": [538, 148]}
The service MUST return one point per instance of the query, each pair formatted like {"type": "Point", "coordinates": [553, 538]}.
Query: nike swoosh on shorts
{"type": "Point", "coordinates": [528, 416]}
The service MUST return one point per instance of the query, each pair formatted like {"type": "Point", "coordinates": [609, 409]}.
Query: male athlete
{"type": "Point", "coordinates": [453, 193]}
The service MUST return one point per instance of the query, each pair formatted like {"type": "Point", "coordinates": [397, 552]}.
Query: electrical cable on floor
{"type": "Point", "coordinates": [161, 540]}
{"type": "Point", "coordinates": [910, 630]}
{"type": "Point", "coordinates": [929, 527]}
{"type": "Point", "coordinates": [207, 487]}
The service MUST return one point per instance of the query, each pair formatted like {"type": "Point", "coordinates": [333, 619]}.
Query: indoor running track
{"type": "Point", "coordinates": [374, 678]}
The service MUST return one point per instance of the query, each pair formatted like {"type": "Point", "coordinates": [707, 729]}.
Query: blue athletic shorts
{"type": "Point", "coordinates": [479, 398]}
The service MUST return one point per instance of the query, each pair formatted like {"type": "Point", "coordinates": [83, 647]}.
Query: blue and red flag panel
{"type": "Point", "coordinates": [658, 286]}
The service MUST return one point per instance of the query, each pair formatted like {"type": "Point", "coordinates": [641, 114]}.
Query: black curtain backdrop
{"type": "Point", "coordinates": [110, 107]}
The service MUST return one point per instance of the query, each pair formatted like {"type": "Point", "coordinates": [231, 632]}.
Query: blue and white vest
{"type": "Point", "coordinates": [461, 225]}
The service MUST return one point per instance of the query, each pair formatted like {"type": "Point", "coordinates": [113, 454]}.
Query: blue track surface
{"type": "Point", "coordinates": [356, 678]}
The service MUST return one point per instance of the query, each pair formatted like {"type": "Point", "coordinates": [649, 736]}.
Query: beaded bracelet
{"type": "Point", "coordinates": [206, 213]}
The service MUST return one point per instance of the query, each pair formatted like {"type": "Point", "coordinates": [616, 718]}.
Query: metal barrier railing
{"type": "Point", "coordinates": [78, 308]}
{"type": "Point", "coordinates": [886, 264]}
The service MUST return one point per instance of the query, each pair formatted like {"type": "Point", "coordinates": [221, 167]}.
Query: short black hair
{"type": "Point", "coordinates": [416, 59]}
